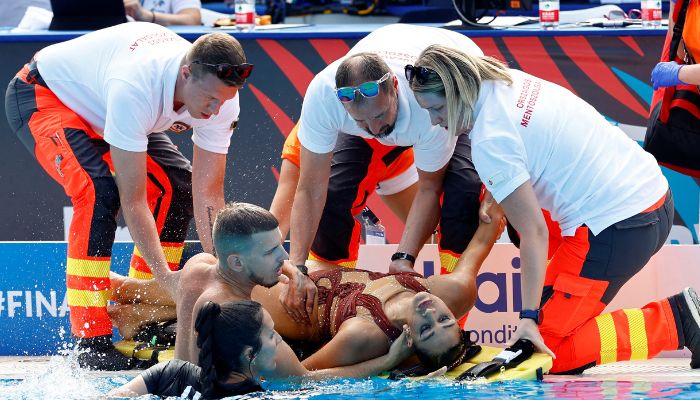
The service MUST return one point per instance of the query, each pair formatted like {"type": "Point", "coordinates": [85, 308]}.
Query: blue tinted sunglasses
{"type": "Point", "coordinates": [367, 89]}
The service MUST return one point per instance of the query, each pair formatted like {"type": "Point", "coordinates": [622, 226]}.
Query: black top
{"type": "Point", "coordinates": [69, 15]}
{"type": "Point", "coordinates": [173, 377]}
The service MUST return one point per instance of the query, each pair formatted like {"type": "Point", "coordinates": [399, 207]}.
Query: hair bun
{"type": "Point", "coordinates": [206, 316]}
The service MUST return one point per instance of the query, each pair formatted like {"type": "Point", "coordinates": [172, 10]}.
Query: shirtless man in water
{"type": "Point", "coordinates": [359, 313]}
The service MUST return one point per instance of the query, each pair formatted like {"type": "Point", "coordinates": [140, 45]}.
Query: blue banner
{"type": "Point", "coordinates": [33, 305]}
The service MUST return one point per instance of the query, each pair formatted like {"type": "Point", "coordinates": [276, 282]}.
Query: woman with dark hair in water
{"type": "Point", "coordinates": [237, 344]}
{"type": "Point", "coordinates": [226, 367]}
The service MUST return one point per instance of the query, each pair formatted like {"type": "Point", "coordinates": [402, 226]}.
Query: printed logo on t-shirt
{"type": "Point", "coordinates": [495, 179]}
{"type": "Point", "coordinates": [154, 39]}
{"type": "Point", "coordinates": [179, 127]}
{"type": "Point", "coordinates": [393, 55]}
{"type": "Point", "coordinates": [528, 100]}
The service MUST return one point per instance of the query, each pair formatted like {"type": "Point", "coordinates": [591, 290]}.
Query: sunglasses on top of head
{"type": "Point", "coordinates": [367, 89]}
{"type": "Point", "coordinates": [230, 72]}
{"type": "Point", "coordinates": [421, 74]}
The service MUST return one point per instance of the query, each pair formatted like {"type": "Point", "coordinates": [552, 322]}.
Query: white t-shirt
{"type": "Point", "coordinates": [121, 80]}
{"type": "Point", "coordinates": [170, 6]}
{"type": "Point", "coordinates": [582, 169]}
{"type": "Point", "coordinates": [323, 115]}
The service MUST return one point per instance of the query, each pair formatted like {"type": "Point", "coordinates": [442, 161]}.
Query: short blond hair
{"type": "Point", "coordinates": [459, 78]}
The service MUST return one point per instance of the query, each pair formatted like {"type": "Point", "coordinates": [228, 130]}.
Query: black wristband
{"type": "Point", "coordinates": [403, 256]}
{"type": "Point", "coordinates": [304, 269]}
{"type": "Point", "coordinates": [535, 315]}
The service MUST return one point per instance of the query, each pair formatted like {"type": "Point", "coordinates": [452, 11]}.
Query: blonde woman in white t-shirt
{"type": "Point", "coordinates": [538, 146]}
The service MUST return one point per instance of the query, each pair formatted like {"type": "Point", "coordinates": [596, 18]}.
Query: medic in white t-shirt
{"type": "Point", "coordinates": [331, 190]}
{"type": "Point", "coordinates": [538, 146]}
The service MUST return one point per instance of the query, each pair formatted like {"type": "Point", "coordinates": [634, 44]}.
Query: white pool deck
{"type": "Point", "coordinates": [656, 370]}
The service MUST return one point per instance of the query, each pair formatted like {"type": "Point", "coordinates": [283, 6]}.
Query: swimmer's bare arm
{"type": "Point", "coordinates": [134, 388]}
{"type": "Point", "coordinates": [130, 290]}
{"type": "Point", "coordinates": [284, 324]}
{"type": "Point", "coordinates": [130, 175]}
{"type": "Point", "coordinates": [458, 289]}
{"type": "Point", "coordinates": [288, 364]}
{"type": "Point", "coordinates": [356, 341]}
{"type": "Point", "coordinates": [208, 171]}
{"type": "Point", "coordinates": [127, 290]}
{"type": "Point", "coordinates": [481, 244]}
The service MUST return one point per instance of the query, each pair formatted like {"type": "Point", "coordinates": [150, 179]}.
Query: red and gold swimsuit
{"type": "Point", "coordinates": [348, 293]}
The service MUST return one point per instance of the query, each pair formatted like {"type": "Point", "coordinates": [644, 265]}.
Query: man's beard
{"type": "Point", "coordinates": [260, 280]}
{"type": "Point", "coordinates": [383, 134]}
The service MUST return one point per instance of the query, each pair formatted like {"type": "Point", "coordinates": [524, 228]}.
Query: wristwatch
{"type": "Point", "coordinates": [304, 269]}
{"type": "Point", "coordinates": [403, 256]}
{"type": "Point", "coordinates": [535, 315]}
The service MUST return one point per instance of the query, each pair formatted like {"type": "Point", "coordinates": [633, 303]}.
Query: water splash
{"type": "Point", "coordinates": [61, 378]}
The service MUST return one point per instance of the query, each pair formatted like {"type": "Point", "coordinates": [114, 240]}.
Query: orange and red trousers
{"type": "Point", "coordinates": [79, 159]}
{"type": "Point", "coordinates": [585, 272]}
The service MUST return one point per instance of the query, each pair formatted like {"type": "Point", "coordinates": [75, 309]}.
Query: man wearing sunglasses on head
{"type": "Point", "coordinates": [353, 103]}
{"type": "Point", "coordinates": [93, 111]}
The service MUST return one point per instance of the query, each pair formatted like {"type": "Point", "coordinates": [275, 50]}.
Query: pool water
{"type": "Point", "coordinates": [379, 389]}
{"type": "Point", "coordinates": [62, 380]}
{"type": "Point", "coordinates": [446, 390]}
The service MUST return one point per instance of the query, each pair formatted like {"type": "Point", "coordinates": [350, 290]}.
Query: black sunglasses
{"type": "Point", "coordinates": [422, 74]}
{"type": "Point", "coordinates": [237, 73]}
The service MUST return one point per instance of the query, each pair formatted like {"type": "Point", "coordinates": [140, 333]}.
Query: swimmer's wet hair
{"type": "Point", "coordinates": [223, 333]}
{"type": "Point", "coordinates": [451, 358]}
{"type": "Point", "coordinates": [238, 221]}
